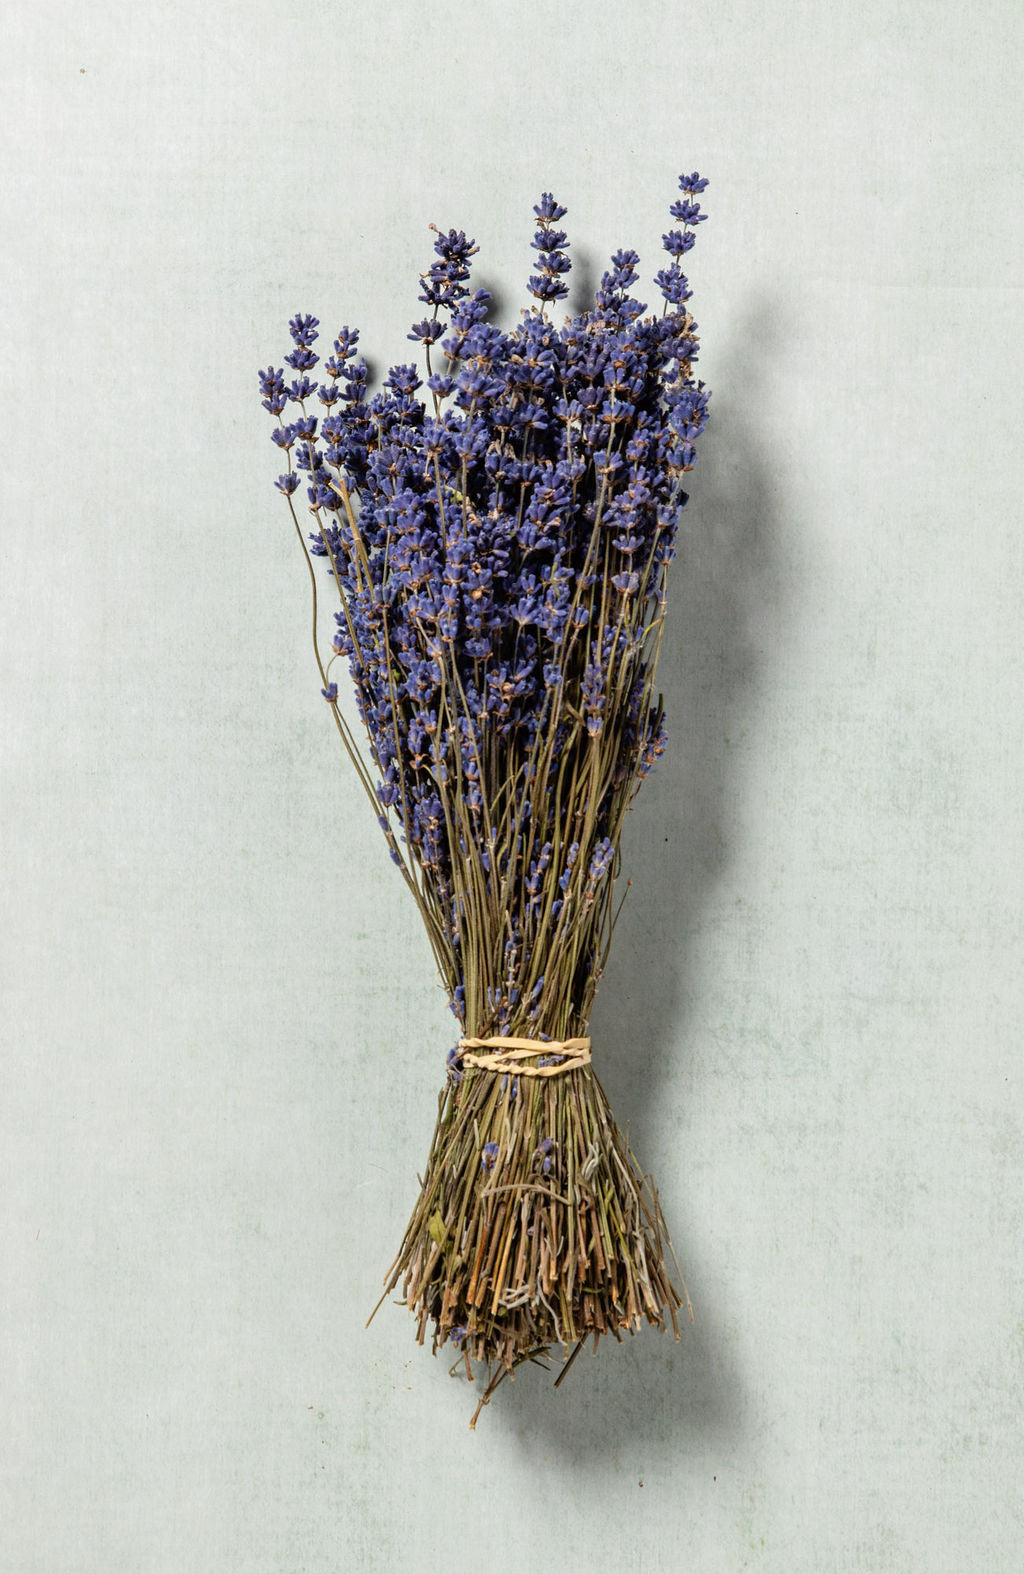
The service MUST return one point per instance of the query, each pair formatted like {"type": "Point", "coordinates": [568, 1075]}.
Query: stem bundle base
{"type": "Point", "coordinates": [534, 1227]}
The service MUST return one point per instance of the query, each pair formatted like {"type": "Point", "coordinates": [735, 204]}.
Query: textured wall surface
{"type": "Point", "coordinates": [222, 1038]}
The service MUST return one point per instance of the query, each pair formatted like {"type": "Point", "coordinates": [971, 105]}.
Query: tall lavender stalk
{"type": "Point", "coordinates": [500, 549]}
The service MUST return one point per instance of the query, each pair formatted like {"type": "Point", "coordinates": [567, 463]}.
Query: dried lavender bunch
{"type": "Point", "coordinates": [499, 541]}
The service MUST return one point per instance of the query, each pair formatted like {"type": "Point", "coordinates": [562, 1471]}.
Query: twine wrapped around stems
{"type": "Point", "coordinates": [510, 1054]}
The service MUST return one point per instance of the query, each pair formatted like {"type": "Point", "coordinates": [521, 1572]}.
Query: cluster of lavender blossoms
{"type": "Point", "coordinates": [499, 524]}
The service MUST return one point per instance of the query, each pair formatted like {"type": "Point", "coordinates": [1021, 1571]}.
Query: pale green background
{"type": "Point", "coordinates": [222, 1037]}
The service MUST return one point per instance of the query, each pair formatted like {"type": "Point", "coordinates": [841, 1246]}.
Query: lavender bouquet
{"type": "Point", "coordinates": [499, 542]}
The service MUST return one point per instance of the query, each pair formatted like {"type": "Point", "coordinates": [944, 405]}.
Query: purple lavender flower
{"type": "Point", "coordinates": [603, 855]}
{"type": "Point", "coordinates": [570, 860]}
{"type": "Point", "coordinates": [444, 282]}
{"type": "Point", "coordinates": [544, 1151]}
{"type": "Point", "coordinates": [687, 212]}
{"type": "Point", "coordinates": [428, 331]}
{"type": "Point", "coordinates": [300, 389]}
{"type": "Point", "coordinates": [673, 284]}
{"type": "Point", "coordinates": [592, 695]}
{"type": "Point", "coordinates": [273, 390]}
{"type": "Point", "coordinates": [547, 283]}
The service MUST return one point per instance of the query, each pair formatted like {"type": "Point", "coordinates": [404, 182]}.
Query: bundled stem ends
{"type": "Point", "coordinates": [558, 1239]}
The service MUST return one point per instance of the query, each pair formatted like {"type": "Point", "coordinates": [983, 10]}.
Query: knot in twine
{"type": "Point", "coordinates": [509, 1054]}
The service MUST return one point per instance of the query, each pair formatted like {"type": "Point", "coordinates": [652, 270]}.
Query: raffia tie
{"type": "Point", "coordinates": [509, 1054]}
